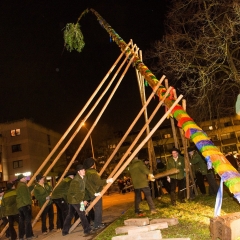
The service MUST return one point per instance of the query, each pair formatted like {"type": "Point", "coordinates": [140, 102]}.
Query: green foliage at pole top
{"type": "Point", "coordinates": [73, 37]}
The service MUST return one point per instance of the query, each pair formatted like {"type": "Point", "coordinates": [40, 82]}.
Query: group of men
{"type": "Point", "coordinates": [71, 196]}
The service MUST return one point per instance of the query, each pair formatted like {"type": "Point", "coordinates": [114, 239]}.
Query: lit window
{"type": "Point", "coordinates": [210, 127]}
{"type": "Point", "coordinates": [167, 135]}
{"type": "Point", "coordinates": [18, 164]}
{"type": "Point", "coordinates": [15, 132]}
{"type": "Point", "coordinates": [16, 148]}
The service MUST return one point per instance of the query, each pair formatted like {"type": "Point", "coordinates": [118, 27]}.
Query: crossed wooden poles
{"type": "Point", "coordinates": [128, 156]}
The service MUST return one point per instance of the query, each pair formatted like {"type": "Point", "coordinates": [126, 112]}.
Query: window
{"type": "Point", "coordinates": [16, 148]}
{"type": "Point", "coordinates": [168, 135]}
{"type": "Point", "coordinates": [227, 124]}
{"type": "Point", "coordinates": [214, 137]}
{"type": "Point", "coordinates": [15, 132]}
{"type": "Point", "coordinates": [228, 136]}
{"type": "Point", "coordinates": [18, 164]}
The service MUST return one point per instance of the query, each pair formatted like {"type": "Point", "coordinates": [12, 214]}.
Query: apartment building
{"type": "Point", "coordinates": [24, 145]}
{"type": "Point", "coordinates": [224, 132]}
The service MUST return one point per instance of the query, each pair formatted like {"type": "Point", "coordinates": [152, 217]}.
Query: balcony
{"type": "Point", "coordinates": [229, 141]}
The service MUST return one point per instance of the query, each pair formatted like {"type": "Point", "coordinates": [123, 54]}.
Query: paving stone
{"type": "Point", "coordinates": [136, 222]}
{"type": "Point", "coordinates": [176, 239]}
{"type": "Point", "coordinates": [124, 229]}
{"type": "Point", "coordinates": [170, 221]}
{"type": "Point", "coordinates": [152, 235]}
{"type": "Point", "coordinates": [147, 228]}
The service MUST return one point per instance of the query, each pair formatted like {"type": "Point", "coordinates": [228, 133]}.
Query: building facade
{"type": "Point", "coordinates": [224, 133]}
{"type": "Point", "coordinates": [24, 145]}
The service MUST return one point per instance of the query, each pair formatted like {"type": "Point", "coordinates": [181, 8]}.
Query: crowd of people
{"type": "Point", "coordinates": [71, 197]}
{"type": "Point", "coordinates": [82, 185]}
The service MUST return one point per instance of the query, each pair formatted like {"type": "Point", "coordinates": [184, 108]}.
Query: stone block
{"type": "Point", "coordinates": [136, 222]}
{"type": "Point", "coordinates": [124, 229]}
{"type": "Point", "coordinates": [147, 228]}
{"type": "Point", "coordinates": [176, 239]}
{"type": "Point", "coordinates": [170, 221]}
{"type": "Point", "coordinates": [141, 236]}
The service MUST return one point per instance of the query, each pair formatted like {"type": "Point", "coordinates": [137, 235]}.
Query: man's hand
{"type": "Point", "coordinates": [109, 180]}
{"type": "Point", "coordinates": [48, 198]}
{"type": "Point", "coordinates": [97, 194]}
{"type": "Point", "coordinates": [168, 179]}
{"type": "Point", "coordinates": [151, 177]}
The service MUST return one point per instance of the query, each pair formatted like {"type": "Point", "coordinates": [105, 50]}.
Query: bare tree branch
{"type": "Point", "coordinates": [201, 51]}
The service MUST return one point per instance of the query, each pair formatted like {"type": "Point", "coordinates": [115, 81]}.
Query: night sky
{"type": "Point", "coordinates": [42, 81]}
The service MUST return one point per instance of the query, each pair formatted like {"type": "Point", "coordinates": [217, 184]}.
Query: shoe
{"type": "Point", "coordinates": [64, 234]}
{"type": "Point", "coordinates": [32, 237]}
{"type": "Point", "coordinates": [101, 226]}
{"type": "Point", "coordinates": [45, 233]}
{"type": "Point", "coordinates": [89, 233]}
{"type": "Point", "coordinates": [174, 203]}
{"type": "Point", "coordinates": [153, 211]}
{"type": "Point", "coordinates": [159, 198]}
{"type": "Point", "coordinates": [183, 201]}
{"type": "Point", "coordinates": [59, 230]}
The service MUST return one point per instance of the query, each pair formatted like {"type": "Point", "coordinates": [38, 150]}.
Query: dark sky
{"type": "Point", "coordinates": [42, 81]}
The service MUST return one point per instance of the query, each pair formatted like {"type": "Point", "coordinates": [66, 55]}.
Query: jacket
{"type": "Point", "coordinates": [198, 163]}
{"type": "Point", "coordinates": [179, 164]}
{"type": "Point", "coordinates": [41, 192]}
{"type": "Point", "coordinates": [23, 195]}
{"type": "Point", "coordinates": [62, 189]}
{"type": "Point", "coordinates": [138, 172]}
{"type": "Point", "coordinates": [94, 183]}
{"type": "Point", "coordinates": [9, 203]}
{"type": "Point", "coordinates": [76, 191]}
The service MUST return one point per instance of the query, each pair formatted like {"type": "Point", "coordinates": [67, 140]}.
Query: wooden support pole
{"type": "Point", "coordinates": [130, 128]}
{"type": "Point", "coordinates": [86, 117]}
{"type": "Point", "coordinates": [87, 136]}
{"type": "Point", "coordinates": [77, 118]}
{"type": "Point", "coordinates": [129, 159]}
{"type": "Point", "coordinates": [126, 154]}
{"type": "Point", "coordinates": [176, 144]}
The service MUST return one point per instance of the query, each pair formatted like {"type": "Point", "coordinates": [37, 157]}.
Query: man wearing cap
{"type": "Point", "coordinates": [9, 205]}
{"type": "Point", "coordinates": [94, 186]}
{"type": "Point", "coordinates": [41, 192]}
{"type": "Point", "coordinates": [200, 170]}
{"type": "Point", "coordinates": [59, 197]}
{"type": "Point", "coordinates": [76, 200]}
{"type": "Point", "coordinates": [24, 205]}
{"type": "Point", "coordinates": [139, 172]}
{"type": "Point", "coordinates": [178, 179]}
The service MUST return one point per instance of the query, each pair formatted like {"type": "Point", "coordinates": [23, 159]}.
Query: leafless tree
{"type": "Point", "coordinates": [201, 50]}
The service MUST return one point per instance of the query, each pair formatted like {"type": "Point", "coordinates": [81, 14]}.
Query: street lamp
{"type": "Point", "coordinates": [90, 137]}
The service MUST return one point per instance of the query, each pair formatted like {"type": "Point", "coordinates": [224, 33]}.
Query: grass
{"type": "Point", "coordinates": [193, 216]}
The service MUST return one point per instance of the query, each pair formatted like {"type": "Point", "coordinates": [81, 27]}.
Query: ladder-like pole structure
{"type": "Point", "coordinates": [229, 175]}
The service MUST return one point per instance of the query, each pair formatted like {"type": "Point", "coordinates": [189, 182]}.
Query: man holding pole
{"type": "Point", "coordinates": [77, 203]}
{"type": "Point", "coordinates": [94, 186]}
{"type": "Point", "coordinates": [178, 179]}
{"type": "Point", "coordinates": [24, 205]}
{"type": "Point", "coordinates": [139, 172]}
{"type": "Point", "coordinates": [42, 191]}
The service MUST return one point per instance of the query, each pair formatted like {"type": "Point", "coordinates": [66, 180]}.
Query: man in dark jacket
{"type": "Point", "coordinates": [24, 205]}
{"type": "Point", "coordinates": [59, 197]}
{"type": "Point", "coordinates": [41, 192]}
{"type": "Point", "coordinates": [9, 205]}
{"type": "Point", "coordinates": [139, 173]}
{"type": "Point", "coordinates": [94, 186]}
{"type": "Point", "coordinates": [178, 179]}
{"type": "Point", "coordinates": [76, 200]}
